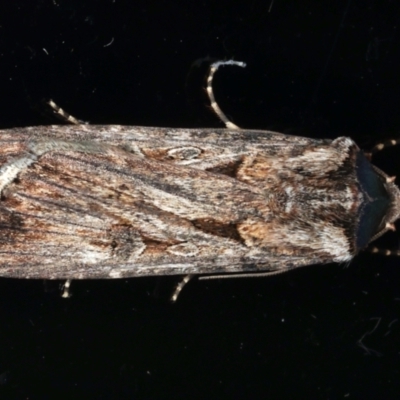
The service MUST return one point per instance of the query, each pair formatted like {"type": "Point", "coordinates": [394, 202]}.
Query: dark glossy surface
{"type": "Point", "coordinates": [376, 202]}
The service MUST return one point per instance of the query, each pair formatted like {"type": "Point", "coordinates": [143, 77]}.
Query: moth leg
{"type": "Point", "coordinates": [384, 252]}
{"type": "Point", "coordinates": [64, 115]}
{"type": "Point", "coordinates": [179, 287]}
{"type": "Point", "coordinates": [214, 105]}
{"type": "Point", "coordinates": [66, 294]}
{"type": "Point", "coordinates": [381, 146]}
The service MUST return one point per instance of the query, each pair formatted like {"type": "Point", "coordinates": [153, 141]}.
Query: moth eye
{"type": "Point", "coordinates": [184, 153]}
{"type": "Point", "coordinates": [376, 202]}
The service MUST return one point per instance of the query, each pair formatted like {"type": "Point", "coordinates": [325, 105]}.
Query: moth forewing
{"type": "Point", "coordinates": [88, 201]}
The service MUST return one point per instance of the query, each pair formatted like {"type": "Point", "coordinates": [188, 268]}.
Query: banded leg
{"type": "Point", "coordinates": [381, 146]}
{"type": "Point", "coordinates": [179, 287]}
{"type": "Point", "coordinates": [64, 115]}
{"type": "Point", "coordinates": [384, 252]}
{"type": "Point", "coordinates": [66, 293]}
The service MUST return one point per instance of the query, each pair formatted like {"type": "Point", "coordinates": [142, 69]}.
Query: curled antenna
{"type": "Point", "coordinates": [213, 69]}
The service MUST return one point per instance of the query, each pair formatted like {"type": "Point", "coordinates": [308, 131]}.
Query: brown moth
{"type": "Point", "coordinates": [88, 201]}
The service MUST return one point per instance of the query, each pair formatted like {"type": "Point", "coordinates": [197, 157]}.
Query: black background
{"type": "Point", "coordinates": [315, 68]}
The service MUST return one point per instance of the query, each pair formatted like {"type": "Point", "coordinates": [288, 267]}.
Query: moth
{"type": "Point", "coordinates": [88, 201]}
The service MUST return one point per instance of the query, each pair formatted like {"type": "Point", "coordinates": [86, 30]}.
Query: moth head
{"type": "Point", "coordinates": [382, 205]}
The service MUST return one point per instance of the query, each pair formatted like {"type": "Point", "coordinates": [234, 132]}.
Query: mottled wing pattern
{"type": "Point", "coordinates": [110, 201]}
